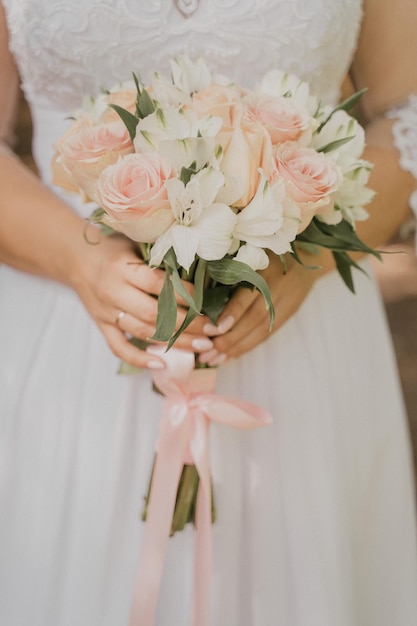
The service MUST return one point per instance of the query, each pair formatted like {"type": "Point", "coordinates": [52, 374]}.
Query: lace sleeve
{"type": "Point", "coordinates": [405, 139]}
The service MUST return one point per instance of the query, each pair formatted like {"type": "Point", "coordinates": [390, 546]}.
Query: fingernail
{"type": "Point", "coordinates": [202, 344]}
{"type": "Point", "coordinates": [155, 365]}
{"type": "Point", "coordinates": [218, 360]}
{"type": "Point", "coordinates": [206, 356]}
{"type": "Point", "coordinates": [225, 325]}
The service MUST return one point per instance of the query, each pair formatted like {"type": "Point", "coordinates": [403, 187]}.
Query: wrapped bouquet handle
{"type": "Point", "coordinates": [190, 405]}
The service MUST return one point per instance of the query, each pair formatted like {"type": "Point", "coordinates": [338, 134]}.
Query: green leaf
{"type": "Point", "coordinates": [167, 311]}
{"type": "Point", "coordinates": [334, 145]}
{"type": "Point", "coordinates": [170, 259]}
{"type": "Point", "coordinates": [345, 233]}
{"type": "Point", "coordinates": [214, 301]}
{"type": "Point", "coordinates": [339, 237]}
{"type": "Point", "coordinates": [199, 280]}
{"type": "Point", "coordinates": [344, 266]}
{"type": "Point", "coordinates": [188, 172]}
{"type": "Point", "coordinates": [129, 120]}
{"type": "Point", "coordinates": [182, 291]}
{"type": "Point", "coordinates": [145, 104]}
{"type": "Point", "coordinates": [347, 105]}
{"type": "Point", "coordinates": [231, 272]}
{"type": "Point", "coordinates": [137, 83]}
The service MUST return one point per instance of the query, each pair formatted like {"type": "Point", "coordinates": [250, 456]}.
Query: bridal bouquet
{"type": "Point", "coordinates": [209, 179]}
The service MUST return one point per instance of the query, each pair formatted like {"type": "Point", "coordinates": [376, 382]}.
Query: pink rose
{"type": "Point", "coordinates": [85, 150]}
{"type": "Point", "coordinates": [284, 119]}
{"type": "Point", "coordinates": [216, 100]}
{"type": "Point", "coordinates": [310, 178]}
{"type": "Point", "coordinates": [246, 148]}
{"type": "Point", "coordinates": [133, 194]}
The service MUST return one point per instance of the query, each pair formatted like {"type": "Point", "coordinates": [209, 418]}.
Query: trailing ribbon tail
{"type": "Point", "coordinates": [190, 406]}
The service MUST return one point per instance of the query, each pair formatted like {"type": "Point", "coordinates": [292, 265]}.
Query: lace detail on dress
{"type": "Point", "coordinates": [405, 139]}
{"type": "Point", "coordinates": [69, 48]}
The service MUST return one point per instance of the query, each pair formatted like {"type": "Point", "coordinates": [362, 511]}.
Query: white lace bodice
{"type": "Point", "coordinates": [68, 48]}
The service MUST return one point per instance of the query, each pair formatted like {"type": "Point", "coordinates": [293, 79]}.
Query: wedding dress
{"type": "Point", "coordinates": [315, 512]}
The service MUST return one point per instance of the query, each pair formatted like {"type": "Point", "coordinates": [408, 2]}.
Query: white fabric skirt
{"type": "Point", "coordinates": [315, 512]}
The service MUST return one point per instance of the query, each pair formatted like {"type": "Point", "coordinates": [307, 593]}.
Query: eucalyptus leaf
{"type": "Point", "coordinates": [167, 311]}
{"type": "Point", "coordinates": [129, 120]}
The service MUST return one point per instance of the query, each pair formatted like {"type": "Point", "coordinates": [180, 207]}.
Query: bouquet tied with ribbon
{"type": "Point", "coordinates": [209, 179]}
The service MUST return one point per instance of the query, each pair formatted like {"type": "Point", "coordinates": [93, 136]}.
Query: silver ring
{"type": "Point", "coordinates": [119, 317]}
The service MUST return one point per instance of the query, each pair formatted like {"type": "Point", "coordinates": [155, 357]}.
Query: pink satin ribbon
{"type": "Point", "coordinates": [190, 405]}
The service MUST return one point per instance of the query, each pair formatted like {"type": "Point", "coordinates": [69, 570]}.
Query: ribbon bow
{"type": "Point", "coordinates": [190, 405]}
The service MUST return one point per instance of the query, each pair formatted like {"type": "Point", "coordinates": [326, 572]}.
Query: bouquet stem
{"type": "Point", "coordinates": [186, 501]}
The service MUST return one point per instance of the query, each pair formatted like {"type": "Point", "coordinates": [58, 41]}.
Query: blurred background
{"type": "Point", "coordinates": [397, 277]}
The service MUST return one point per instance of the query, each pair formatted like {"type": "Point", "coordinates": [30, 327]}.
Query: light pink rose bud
{"type": "Point", "coordinates": [310, 178]}
{"type": "Point", "coordinates": [133, 194]}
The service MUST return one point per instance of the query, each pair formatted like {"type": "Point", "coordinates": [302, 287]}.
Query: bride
{"type": "Point", "coordinates": [315, 512]}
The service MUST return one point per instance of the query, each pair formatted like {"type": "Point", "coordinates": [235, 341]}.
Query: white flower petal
{"type": "Point", "coordinates": [215, 229]}
{"type": "Point", "coordinates": [253, 256]}
{"type": "Point", "coordinates": [161, 247]}
{"type": "Point", "coordinates": [208, 181]}
{"type": "Point", "coordinates": [262, 216]}
{"type": "Point", "coordinates": [185, 242]}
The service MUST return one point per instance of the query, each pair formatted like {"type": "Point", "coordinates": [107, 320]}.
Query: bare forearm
{"type": "Point", "coordinates": [392, 185]}
{"type": "Point", "coordinates": [39, 234]}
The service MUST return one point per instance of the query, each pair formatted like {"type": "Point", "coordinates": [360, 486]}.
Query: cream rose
{"type": "Point", "coordinates": [133, 194]}
{"type": "Point", "coordinates": [85, 151]}
{"type": "Point", "coordinates": [284, 119]}
{"type": "Point", "coordinates": [311, 178]}
{"type": "Point", "coordinates": [246, 148]}
{"type": "Point", "coordinates": [216, 100]}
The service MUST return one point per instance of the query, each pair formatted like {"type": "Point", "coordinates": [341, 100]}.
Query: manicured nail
{"type": "Point", "coordinates": [202, 344]}
{"type": "Point", "coordinates": [206, 356]}
{"type": "Point", "coordinates": [218, 360]}
{"type": "Point", "coordinates": [155, 365]}
{"type": "Point", "coordinates": [225, 325]}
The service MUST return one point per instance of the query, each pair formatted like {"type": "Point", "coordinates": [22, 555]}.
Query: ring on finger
{"type": "Point", "coordinates": [119, 317]}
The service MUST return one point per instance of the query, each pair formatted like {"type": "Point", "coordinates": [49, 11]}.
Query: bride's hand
{"type": "Point", "coordinates": [245, 322]}
{"type": "Point", "coordinates": [118, 290]}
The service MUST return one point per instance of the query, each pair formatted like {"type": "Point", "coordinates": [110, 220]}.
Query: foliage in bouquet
{"type": "Point", "coordinates": [208, 178]}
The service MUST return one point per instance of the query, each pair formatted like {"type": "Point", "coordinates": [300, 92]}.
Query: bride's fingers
{"type": "Point", "coordinates": [130, 325]}
{"type": "Point", "coordinates": [124, 350]}
{"type": "Point", "coordinates": [151, 280]}
{"type": "Point", "coordinates": [235, 309]}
